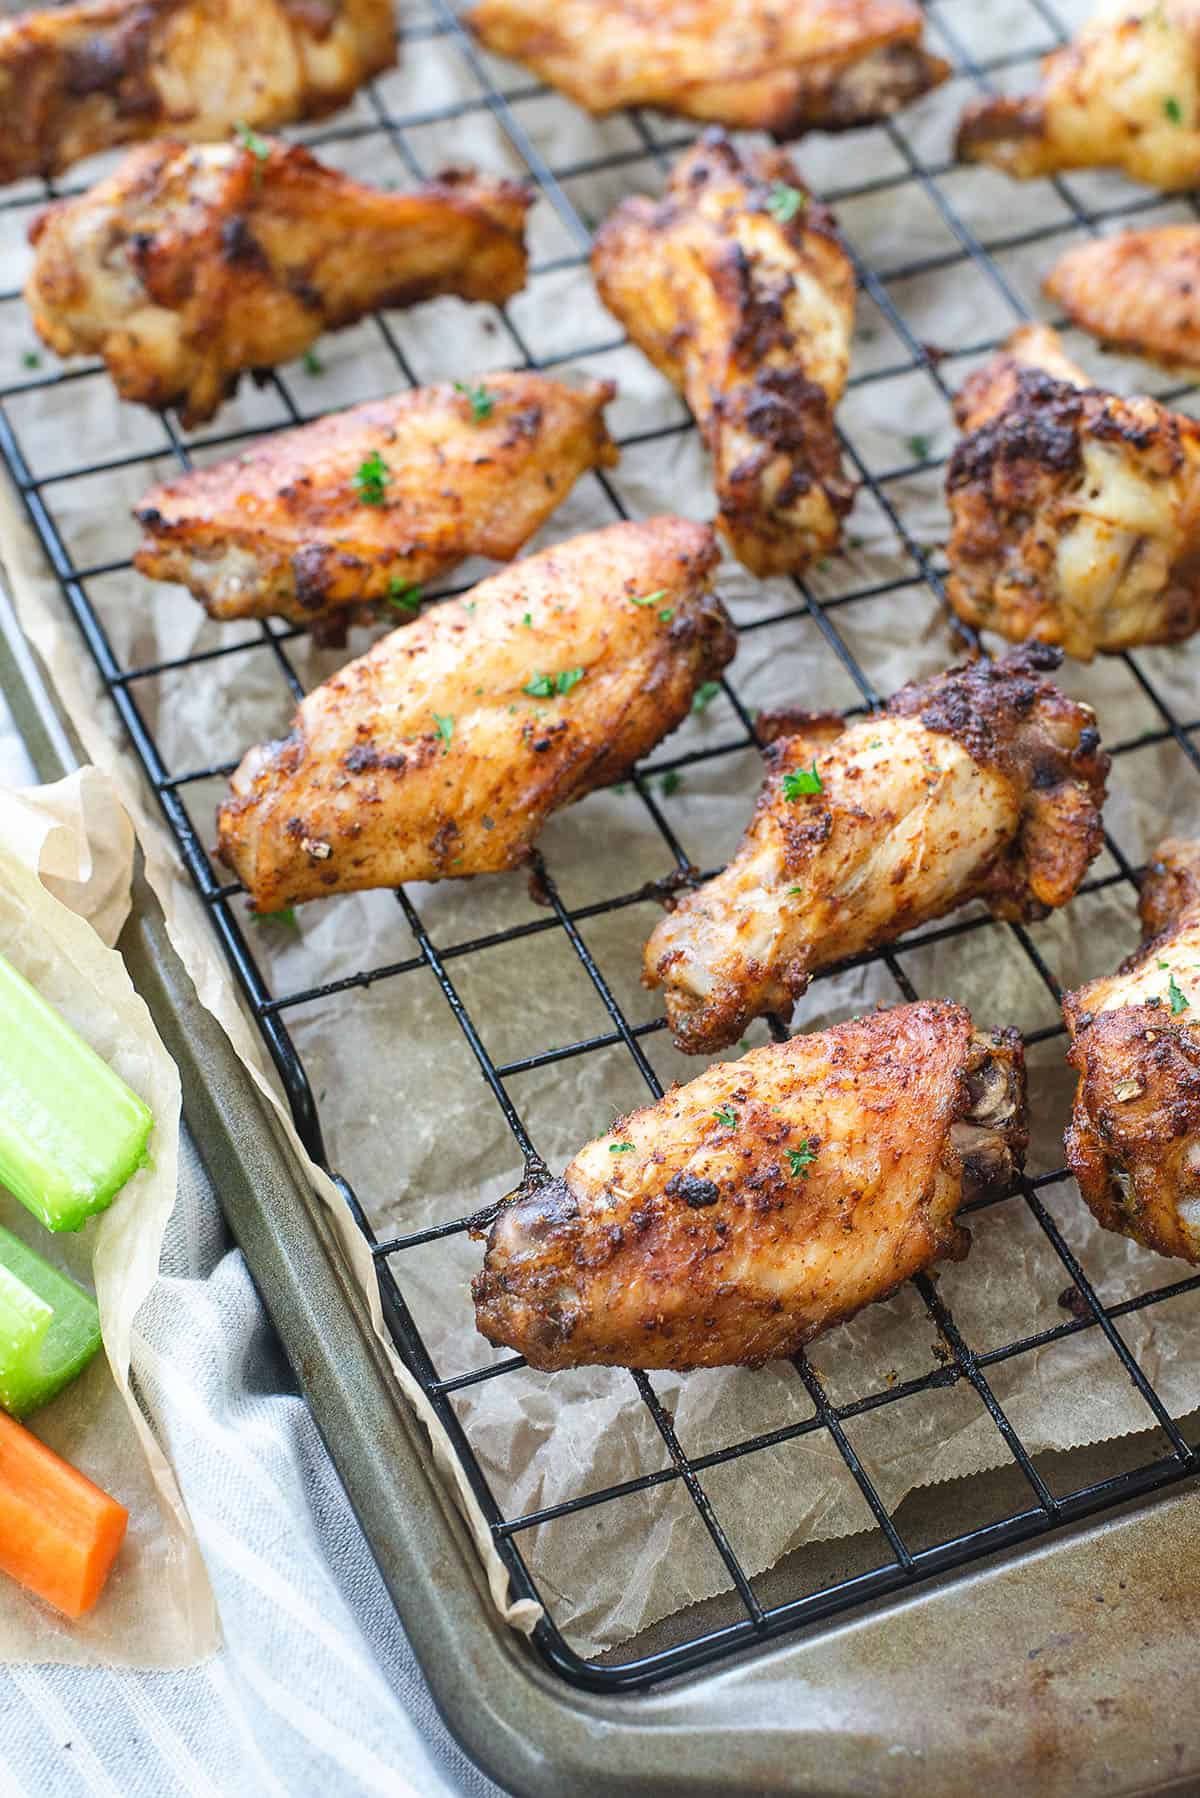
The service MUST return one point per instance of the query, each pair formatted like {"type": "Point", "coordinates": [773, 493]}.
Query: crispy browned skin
{"type": "Point", "coordinates": [1125, 95]}
{"type": "Point", "coordinates": [189, 265]}
{"type": "Point", "coordinates": [764, 1202]}
{"type": "Point", "coordinates": [1134, 1138]}
{"type": "Point", "coordinates": [1076, 513]}
{"type": "Point", "coordinates": [283, 528]}
{"type": "Point", "coordinates": [87, 76]}
{"type": "Point", "coordinates": [1138, 291]}
{"type": "Point", "coordinates": [750, 316]}
{"type": "Point", "coordinates": [774, 65]}
{"type": "Point", "coordinates": [982, 783]}
{"type": "Point", "coordinates": [429, 757]}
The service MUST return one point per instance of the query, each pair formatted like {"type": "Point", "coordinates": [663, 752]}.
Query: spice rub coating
{"type": "Point", "coordinates": [985, 782]}
{"type": "Point", "coordinates": [764, 1202]}
{"type": "Point", "coordinates": [1136, 291]}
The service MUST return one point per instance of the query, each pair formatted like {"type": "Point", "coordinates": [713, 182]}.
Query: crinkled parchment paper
{"type": "Point", "coordinates": [407, 1117]}
{"type": "Point", "coordinates": [66, 861]}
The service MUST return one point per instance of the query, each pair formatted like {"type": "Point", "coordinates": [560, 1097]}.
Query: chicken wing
{"type": "Point", "coordinates": [763, 1203]}
{"type": "Point", "coordinates": [1134, 1138]}
{"type": "Point", "coordinates": [93, 74]}
{"type": "Point", "coordinates": [737, 287]}
{"type": "Point", "coordinates": [1125, 95]}
{"type": "Point", "coordinates": [1076, 513]}
{"type": "Point", "coordinates": [187, 266]}
{"type": "Point", "coordinates": [442, 751]}
{"type": "Point", "coordinates": [1136, 291]}
{"type": "Point", "coordinates": [982, 783]}
{"type": "Point", "coordinates": [292, 526]}
{"type": "Point", "coordinates": [773, 65]}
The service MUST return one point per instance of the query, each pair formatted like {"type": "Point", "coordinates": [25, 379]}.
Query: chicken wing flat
{"type": "Point", "coordinates": [737, 287]}
{"type": "Point", "coordinates": [1125, 95]}
{"type": "Point", "coordinates": [1076, 513]}
{"type": "Point", "coordinates": [88, 76]}
{"type": "Point", "coordinates": [292, 526]}
{"type": "Point", "coordinates": [443, 750]}
{"type": "Point", "coordinates": [1136, 291]}
{"type": "Point", "coordinates": [763, 1203]}
{"type": "Point", "coordinates": [982, 783]}
{"type": "Point", "coordinates": [189, 265]}
{"type": "Point", "coordinates": [1134, 1139]}
{"type": "Point", "coordinates": [773, 65]}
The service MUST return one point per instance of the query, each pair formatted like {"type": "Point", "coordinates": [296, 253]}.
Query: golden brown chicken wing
{"type": "Point", "coordinates": [763, 1203]}
{"type": "Point", "coordinates": [443, 750]}
{"type": "Point", "coordinates": [1137, 291]}
{"type": "Point", "coordinates": [1124, 95]}
{"type": "Point", "coordinates": [295, 527]}
{"type": "Point", "coordinates": [774, 65]}
{"type": "Point", "coordinates": [187, 266]}
{"type": "Point", "coordinates": [737, 287]}
{"type": "Point", "coordinates": [92, 74]}
{"type": "Point", "coordinates": [1134, 1139]}
{"type": "Point", "coordinates": [1076, 513]}
{"type": "Point", "coordinates": [982, 783]}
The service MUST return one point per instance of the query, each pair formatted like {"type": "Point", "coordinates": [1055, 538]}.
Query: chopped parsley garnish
{"type": "Point", "coordinates": [258, 147]}
{"type": "Point", "coordinates": [919, 447]}
{"type": "Point", "coordinates": [31, 359]}
{"type": "Point", "coordinates": [545, 686]}
{"type": "Point", "coordinates": [727, 1117]}
{"type": "Point", "coordinates": [704, 695]}
{"type": "Point", "coordinates": [527, 621]}
{"type": "Point", "coordinates": [672, 780]}
{"type": "Point", "coordinates": [620, 1148]}
{"type": "Point", "coordinates": [647, 599]}
{"type": "Point", "coordinates": [1173, 110]}
{"type": "Point", "coordinates": [800, 1160]}
{"type": "Point", "coordinates": [371, 480]}
{"type": "Point", "coordinates": [805, 780]}
{"type": "Point", "coordinates": [312, 363]}
{"type": "Point", "coordinates": [406, 596]}
{"type": "Point", "coordinates": [793, 890]}
{"type": "Point", "coordinates": [444, 727]}
{"type": "Point", "coordinates": [285, 916]}
{"type": "Point", "coordinates": [1179, 1001]}
{"type": "Point", "coordinates": [666, 615]}
{"type": "Point", "coordinates": [784, 202]}
{"type": "Point", "coordinates": [481, 402]}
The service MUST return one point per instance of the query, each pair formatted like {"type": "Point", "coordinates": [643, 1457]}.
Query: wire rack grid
{"type": "Point", "coordinates": [747, 1619]}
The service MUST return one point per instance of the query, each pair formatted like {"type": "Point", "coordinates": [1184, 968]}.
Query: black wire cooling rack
{"type": "Point", "coordinates": [1037, 1509]}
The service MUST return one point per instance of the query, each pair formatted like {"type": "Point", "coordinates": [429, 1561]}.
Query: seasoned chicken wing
{"type": "Point", "coordinates": [982, 783]}
{"type": "Point", "coordinates": [773, 65]}
{"type": "Point", "coordinates": [443, 750]}
{"type": "Point", "coordinates": [1076, 513]}
{"type": "Point", "coordinates": [1134, 1139]}
{"type": "Point", "coordinates": [1125, 95]}
{"type": "Point", "coordinates": [1136, 291]}
{"type": "Point", "coordinates": [294, 527]}
{"type": "Point", "coordinates": [763, 1203]}
{"type": "Point", "coordinates": [187, 266]}
{"type": "Point", "coordinates": [737, 287]}
{"type": "Point", "coordinates": [92, 74]}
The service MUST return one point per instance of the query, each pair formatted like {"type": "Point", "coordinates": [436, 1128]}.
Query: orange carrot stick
{"type": "Point", "coordinates": [59, 1534]}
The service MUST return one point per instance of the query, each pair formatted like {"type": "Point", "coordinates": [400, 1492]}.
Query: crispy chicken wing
{"type": "Point", "coordinates": [1124, 95]}
{"type": "Point", "coordinates": [443, 750]}
{"type": "Point", "coordinates": [1076, 513]}
{"type": "Point", "coordinates": [773, 65]}
{"type": "Point", "coordinates": [737, 287]}
{"type": "Point", "coordinates": [93, 74]}
{"type": "Point", "coordinates": [187, 266]}
{"type": "Point", "coordinates": [1138, 291]}
{"type": "Point", "coordinates": [982, 783]}
{"type": "Point", "coordinates": [291, 526]}
{"type": "Point", "coordinates": [1134, 1139]}
{"type": "Point", "coordinates": [763, 1203]}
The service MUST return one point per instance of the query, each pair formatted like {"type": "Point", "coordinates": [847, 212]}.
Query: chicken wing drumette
{"type": "Point", "coordinates": [982, 783]}
{"type": "Point", "coordinates": [737, 287]}
{"type": "Point", "coordinates": [773, 65]}
{"type": "Point", "coordinates": [93, 74]}
{"type": "Point", "coordinates": [1134, 1139]}
{"type": "Point", "coordinates": [1136, 291]}
{"type": "Point", "coordinates": [444, 749]}
{"type": "Point", "coordinates": [763, 1203]}
{"type": "Point", "coordinates": [294, 527]}
{"type": "Point", "coordinates": [187, 266]}
{"type": "Point", "coordinates": [1124, 95]}
{"type": "Point", "coordinates": [1076, 513]}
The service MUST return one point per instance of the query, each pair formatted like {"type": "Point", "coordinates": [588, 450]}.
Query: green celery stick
{"type": "Point", "coordinates": [71, 1131]}
{"type": "Point", "coordinates": [49, 1328]}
